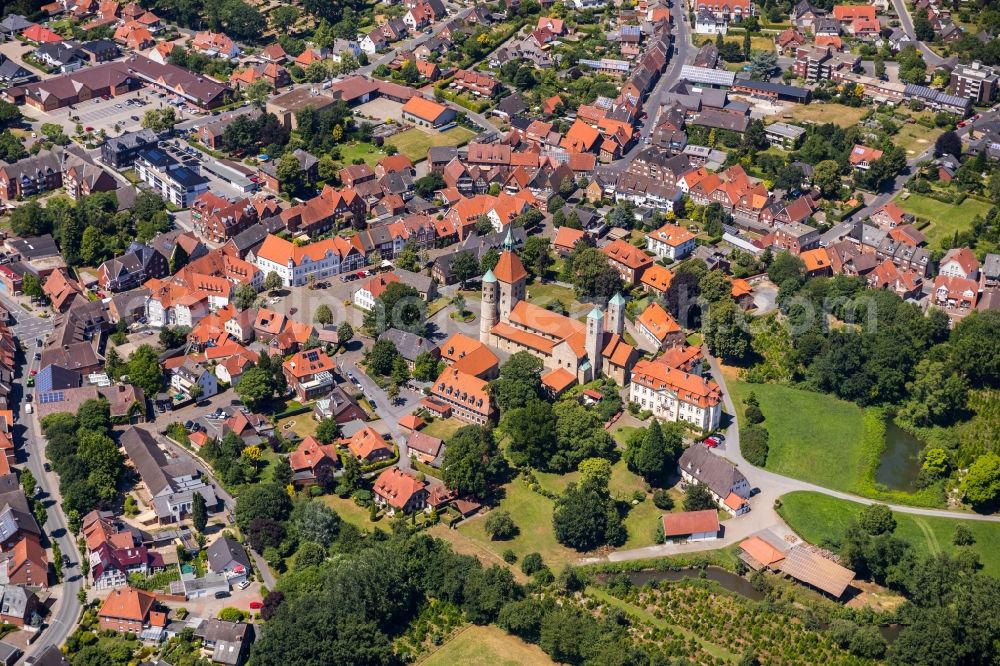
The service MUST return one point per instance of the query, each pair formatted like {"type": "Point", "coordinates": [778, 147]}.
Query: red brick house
{"type": "Point", "coordinates": [126, 610]}
{"type": "Point", "coordinates": [400, 491]}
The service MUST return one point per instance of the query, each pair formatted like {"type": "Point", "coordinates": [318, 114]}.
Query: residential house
{"type": "Point", "coordinates": [862, 157]}
{"type": "Point", "coordinates": [410, 345]}
{"type": "Point", "coordinates": [298, 264]}
{"type": "Point", "coordinates": [226, 642]}
{"type": "Point", "coordinates": [698, 465]}
{"type": "Point", "coordinates": [368, 446]}
{"type": "Point", "coordinates": [120, 151]}
{"type": "Point", "coordinates": [628, 260]}
{"type": "Point", "coordinates": [959, 262]}
{"type": "Point", "coordinates": [192, 378]}
{"type": "Point", "coordinates": [215, 44]}
{"type": "Point", "coordinates": [170, 179]}
{"type": "Point", "coordinates": [339, 406]}
{"type": "Point", "coordinates": [466, 394]}
{"type": "Point", "coordinates": [312, 461]}
{"type": "Point", "coordinates": [422, 111]}
{"type": "Point", "coordinates": [690, 526]}
{"type": "Point", "coordinates": [658, 328]}
{"type": "Point", "coordinates": [309, 374]}
{"type": "Point", "coordinates": [227, 556]}
{"type": "Point", "coordinates": [400, 491]}
{"type": "Point", "coordinates": [671, 241]}
{"type": "Point", "coordinates": [126, 610]}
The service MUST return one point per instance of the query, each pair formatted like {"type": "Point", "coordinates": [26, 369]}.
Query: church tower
{"type": "Point", "coordinates": [595, 341]}
{"type": "Point", "coordinates": [488, 314]}
{"type": "Point", "coordinates": [511, 276]}
{"type": "Point", "coordinates": [616, 314]}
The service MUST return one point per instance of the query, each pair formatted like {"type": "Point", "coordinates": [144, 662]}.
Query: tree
{"type": "Point", "coordinates": [499, 526]}
{"type": "Point", "coordinates": [257, 93]}
{"type": "Point", "coordinates": [381, 357]}
{"type": "Point", "coordinates": [426, 186]}
{"type": "Point", "coordinates": [653, 453]}
{"type": "Point", "coordinates": [28, 482]}
{"type": "Point", "coordinates": [32, 286]}
{"type": "Point", "coordinates": [681, 298]}
{"type": "Point", "coordinates": [789, 178]}
{"type": "Point", "coordinates": [981, 485]}
{"type": "Point", "coordinates": [468, 460]}
{"type": "Point", "coordinates": [746, 45]}
{"type": "Point", "coordinates": [145, 371]}
{"type": "Point", "coordinates": [877, 519]}
{"type": "Point", "coordinates": [519, 381]}
{"type": "Point", "coordinates": [289, 173]}
{"type": "Point", "coordinates": [727, 331]}
{"type": "Point", "coordinates": [160, 120]}
{"type": "Point", "coordinates": [923, 29]}
{"type": "Point", "coordinates": [948, 144]}
{"type": "Point", "coordinates": [937, 393]}
{"type": "Point", "coordinates": [399, 306]}
{"type": "Point", "coordinates": [464, 267]}
{"type": "Point", "coordinates": [697, 497]}
{"type": "Point", "coordinates": [282, 474]}
{"type": "Point", "coordinates": [826, 176]}
{"type": "Point", "coordinates": [585, 518]}
{"type": "Point", "coordinates": [323, 315]}
{"type": "Point", "coordinates": [532, 434]}
{"type": "Point", "coordinates": [963, 536]}
{"type": "Point", "coordinates": [754, 442]}
{"type": "Point", "coordinates": [345, 333]}
{"type": "Point", "coordinates": [199, 513]}
{"type": "Point", "coordinates": [786, 266]}
{"type": "Point", "coordinates": [262, 500]}
{"type": "Point", "coordinates": [715, 286]}
{"type": "Point", "coordinates": [351, 478]}
{"type": "Point", "coordinates": [314, 521]}
{"type": "Point", "coordinates": [283, 17]}
{"type": "Point", "coordinates": [425, 367]}
{"type": "Point", "coordinates": [596, 470]}
{"type": "Point", "coordinates": [255, 387]}
{"type": "Point", "coordinates": [327, 431]}
{"type": "Point", "coordinates": [591, 274]}
{"type": "Point", "coordinates": [762, 63]}
{"type": "Point", "coordinates": [244, 296]}
{"type": "Point", "coordinates": [273, 282]}
{"type": "Point", "coordinates": [536, 256]}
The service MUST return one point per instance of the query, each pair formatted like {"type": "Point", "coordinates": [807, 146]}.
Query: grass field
{"type": "Point", "coordinates": [487, 646]}
{"type": "Point", "coordinates": [366, 151]}
{"type": "Point", "coordinates": [532, 513]}
{"type": "Point", "coordinates": [838, 114]}
{"type": "Point", "coordinates": [351, 512]}
{"type": "Point", "coordinates": [945, 219]}
{"type": "Point", "coordinates": [542, 294]}
{"type": "Point", "coordinates": [816, 517]}
{"type": "Point", "coordinates": [813, 436]}
{"type": "Point", "coordinates": [302, 425]}
{"type": "Point", "coordinates": [916, 138]}
{"type": "Point", "coordinates": [443, 428]}
{"type": "Point", "coordinates": [415, 142]}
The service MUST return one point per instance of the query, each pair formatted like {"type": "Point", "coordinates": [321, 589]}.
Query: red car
{"type": "Point", "coordinates": [34, 372]}
{"type": "Point", "coordinates": [256, 605]}
{"type": "Point", "coordinates": [711, 442]}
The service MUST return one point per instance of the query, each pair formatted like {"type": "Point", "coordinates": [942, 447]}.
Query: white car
{"type": "Point", "coordinates": [244, 585]}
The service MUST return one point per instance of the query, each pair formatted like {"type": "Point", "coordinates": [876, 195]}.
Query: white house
{"type": "Point", "coordinates": [691, 525]}
{"type": "Point", "coordinates": [342, 46]}
{"type": "Point", "coordinates": [675, 395]}
{"type": "Point", "coordinates": [707, 23]}
{"type": "Point", "coordinates": [185, 377]}
{"type": "Point", "coordinates": [297, 264]}
{"type": "Point", "coordinates": [671, 241]}
{"type": "Point", "coordinates": [960, 262]}
{"type": "Point", "coordinates": [374, 41]}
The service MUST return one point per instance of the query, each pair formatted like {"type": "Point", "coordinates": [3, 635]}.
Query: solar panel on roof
{"type": "Point", "coordinates": [53, 396]}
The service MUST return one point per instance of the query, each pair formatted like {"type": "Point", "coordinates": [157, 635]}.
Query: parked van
{"type": "Point", "coordinates": [29, 408]}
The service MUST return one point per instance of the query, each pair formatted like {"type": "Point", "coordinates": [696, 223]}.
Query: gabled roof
{"type": "Point", "coordinates": [690, 522]}
{"type": "Point", "coordinates": [127, 603]}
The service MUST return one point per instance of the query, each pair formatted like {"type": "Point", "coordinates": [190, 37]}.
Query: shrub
{"type": "Point", "coordinates": [662, 499]}
{"type": "Point", "coordinates": [753, 444]}
{"type": "Point", "coordinates": [531, 563]}
{"type": "Point", "coordinates": [509, 556]}
{"type": "Point", "coordinates": [753, 414]}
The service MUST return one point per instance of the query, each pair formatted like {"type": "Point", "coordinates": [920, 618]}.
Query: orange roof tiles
{"type": "Point", "coordinates": [658, 321]}
{"type": "Point", "coordinates": [509, 268]}
{"type": "Point", "coordinates": [689, 387]}
{"type": "Point", "coordinates": [128, 604]}
{"type": "Point", "coordinates": [558, 380]}
{"type": "Point", "coordinates": [469, 391]}
{"type": "Point", "coordinates": [468, 355]}
{"type": "Point", "coordinates": [424, 109]}
{"type": "Point", "coordinates": [673, 235]}
{"type": "Point", "coordinates": [311, 453]}
{"type": "Point", "coordinates": [365, 442]}
{"type": "Point", "coordinates": [690, 522]}
{"type": "Point", "coordinates": [567, 237]}
{"type": "Point", "coordinates": [281, 251]}
{"type": "Point", "coordinates": [627, 255]}
{"type": "Point", "coordinates": [308, 362]}
{"type": "Point", "coordinates": [657, 277]}
{"type": "Point", "coordinates": [580, 138]}
{"type": "Point", "coordinates": [397, 487]}
{"type": "Point", "coordinates": [816, 260]}
{"type": "Point", "coordinates": [853, 12]}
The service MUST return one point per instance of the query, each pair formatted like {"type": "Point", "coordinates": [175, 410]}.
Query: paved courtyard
{"type": "Point", "coordinates": [381, 109]}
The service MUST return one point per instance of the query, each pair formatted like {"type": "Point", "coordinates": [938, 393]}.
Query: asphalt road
{"type": "Point", "coordinates": [27, 433]}
{"type": "Point", "coordinates": [906, 22]}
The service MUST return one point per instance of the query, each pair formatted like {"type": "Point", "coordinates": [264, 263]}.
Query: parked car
{"type": "Point", "coordinates": [244, 585]}
{"type": "Point", "coordinates": [28, 397]}
{"type": "Point", "coordinates": [188, 425]}
{"type": "Point", "coordinates": [221, 594]}
{"type": "Point", "coordinates": [38, 356]}
{"type": "Point", "coordinates": [256, 605]}
{"type": "Point", "coordinates": [711, 442]}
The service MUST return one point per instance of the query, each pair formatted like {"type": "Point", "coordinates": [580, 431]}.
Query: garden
{"type": "Point", "coordinates": [415, 142]}
{"type": "Point", "coordinates": [487, 646]}
{"type": "Point", "coordinates": [945, 219]}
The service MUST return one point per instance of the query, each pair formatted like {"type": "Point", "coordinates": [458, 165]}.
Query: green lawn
{"type": "Point", "coordinates": [415, 141]}
{"type": "Point", "coordinates": [351, 512]}
{"type": "Point", "coordinates": [915, 138]}
{"type": "Point", "coordinates": [487, 646]}
{"type": "Point", "coordinates": [816, 517]}
{"type": "Point", "coordinates": [360, 149]}
{"type": "Point", "coordinates": [542, 294]}
{"type": "Point", "coordinates": [302, 425]}
{"type": "Point", "coordinates": [813, 436]}
{"type": "Point", "coordinates": [443, 428]}
{"type": "Point", "coordinates": [532, 513]}
{"type": "Point", "coordinates": [945, 219]}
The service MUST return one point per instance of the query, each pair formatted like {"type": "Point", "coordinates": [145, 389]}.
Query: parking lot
{"type": "Point", "coordinates": [106, 113]}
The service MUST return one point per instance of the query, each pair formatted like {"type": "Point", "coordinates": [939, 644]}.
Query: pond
{"type": "Point", "coordinates": [726, 579]}
{"type": "Point", "coordinates": [900, 464]}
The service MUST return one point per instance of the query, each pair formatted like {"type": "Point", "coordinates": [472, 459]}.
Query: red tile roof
{"type": "Point", "coordinates": [690, 522]}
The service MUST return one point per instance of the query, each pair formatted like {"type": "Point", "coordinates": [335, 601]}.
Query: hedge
{"type": "Point", "coordinates": [292, 412]}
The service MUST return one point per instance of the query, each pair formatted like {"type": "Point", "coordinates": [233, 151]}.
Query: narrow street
{"type": "Point", "coordinates": [30, 454]}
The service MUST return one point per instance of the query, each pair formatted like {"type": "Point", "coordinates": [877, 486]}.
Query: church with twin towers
{"type": "Point", "coordinates": [569, 349]}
